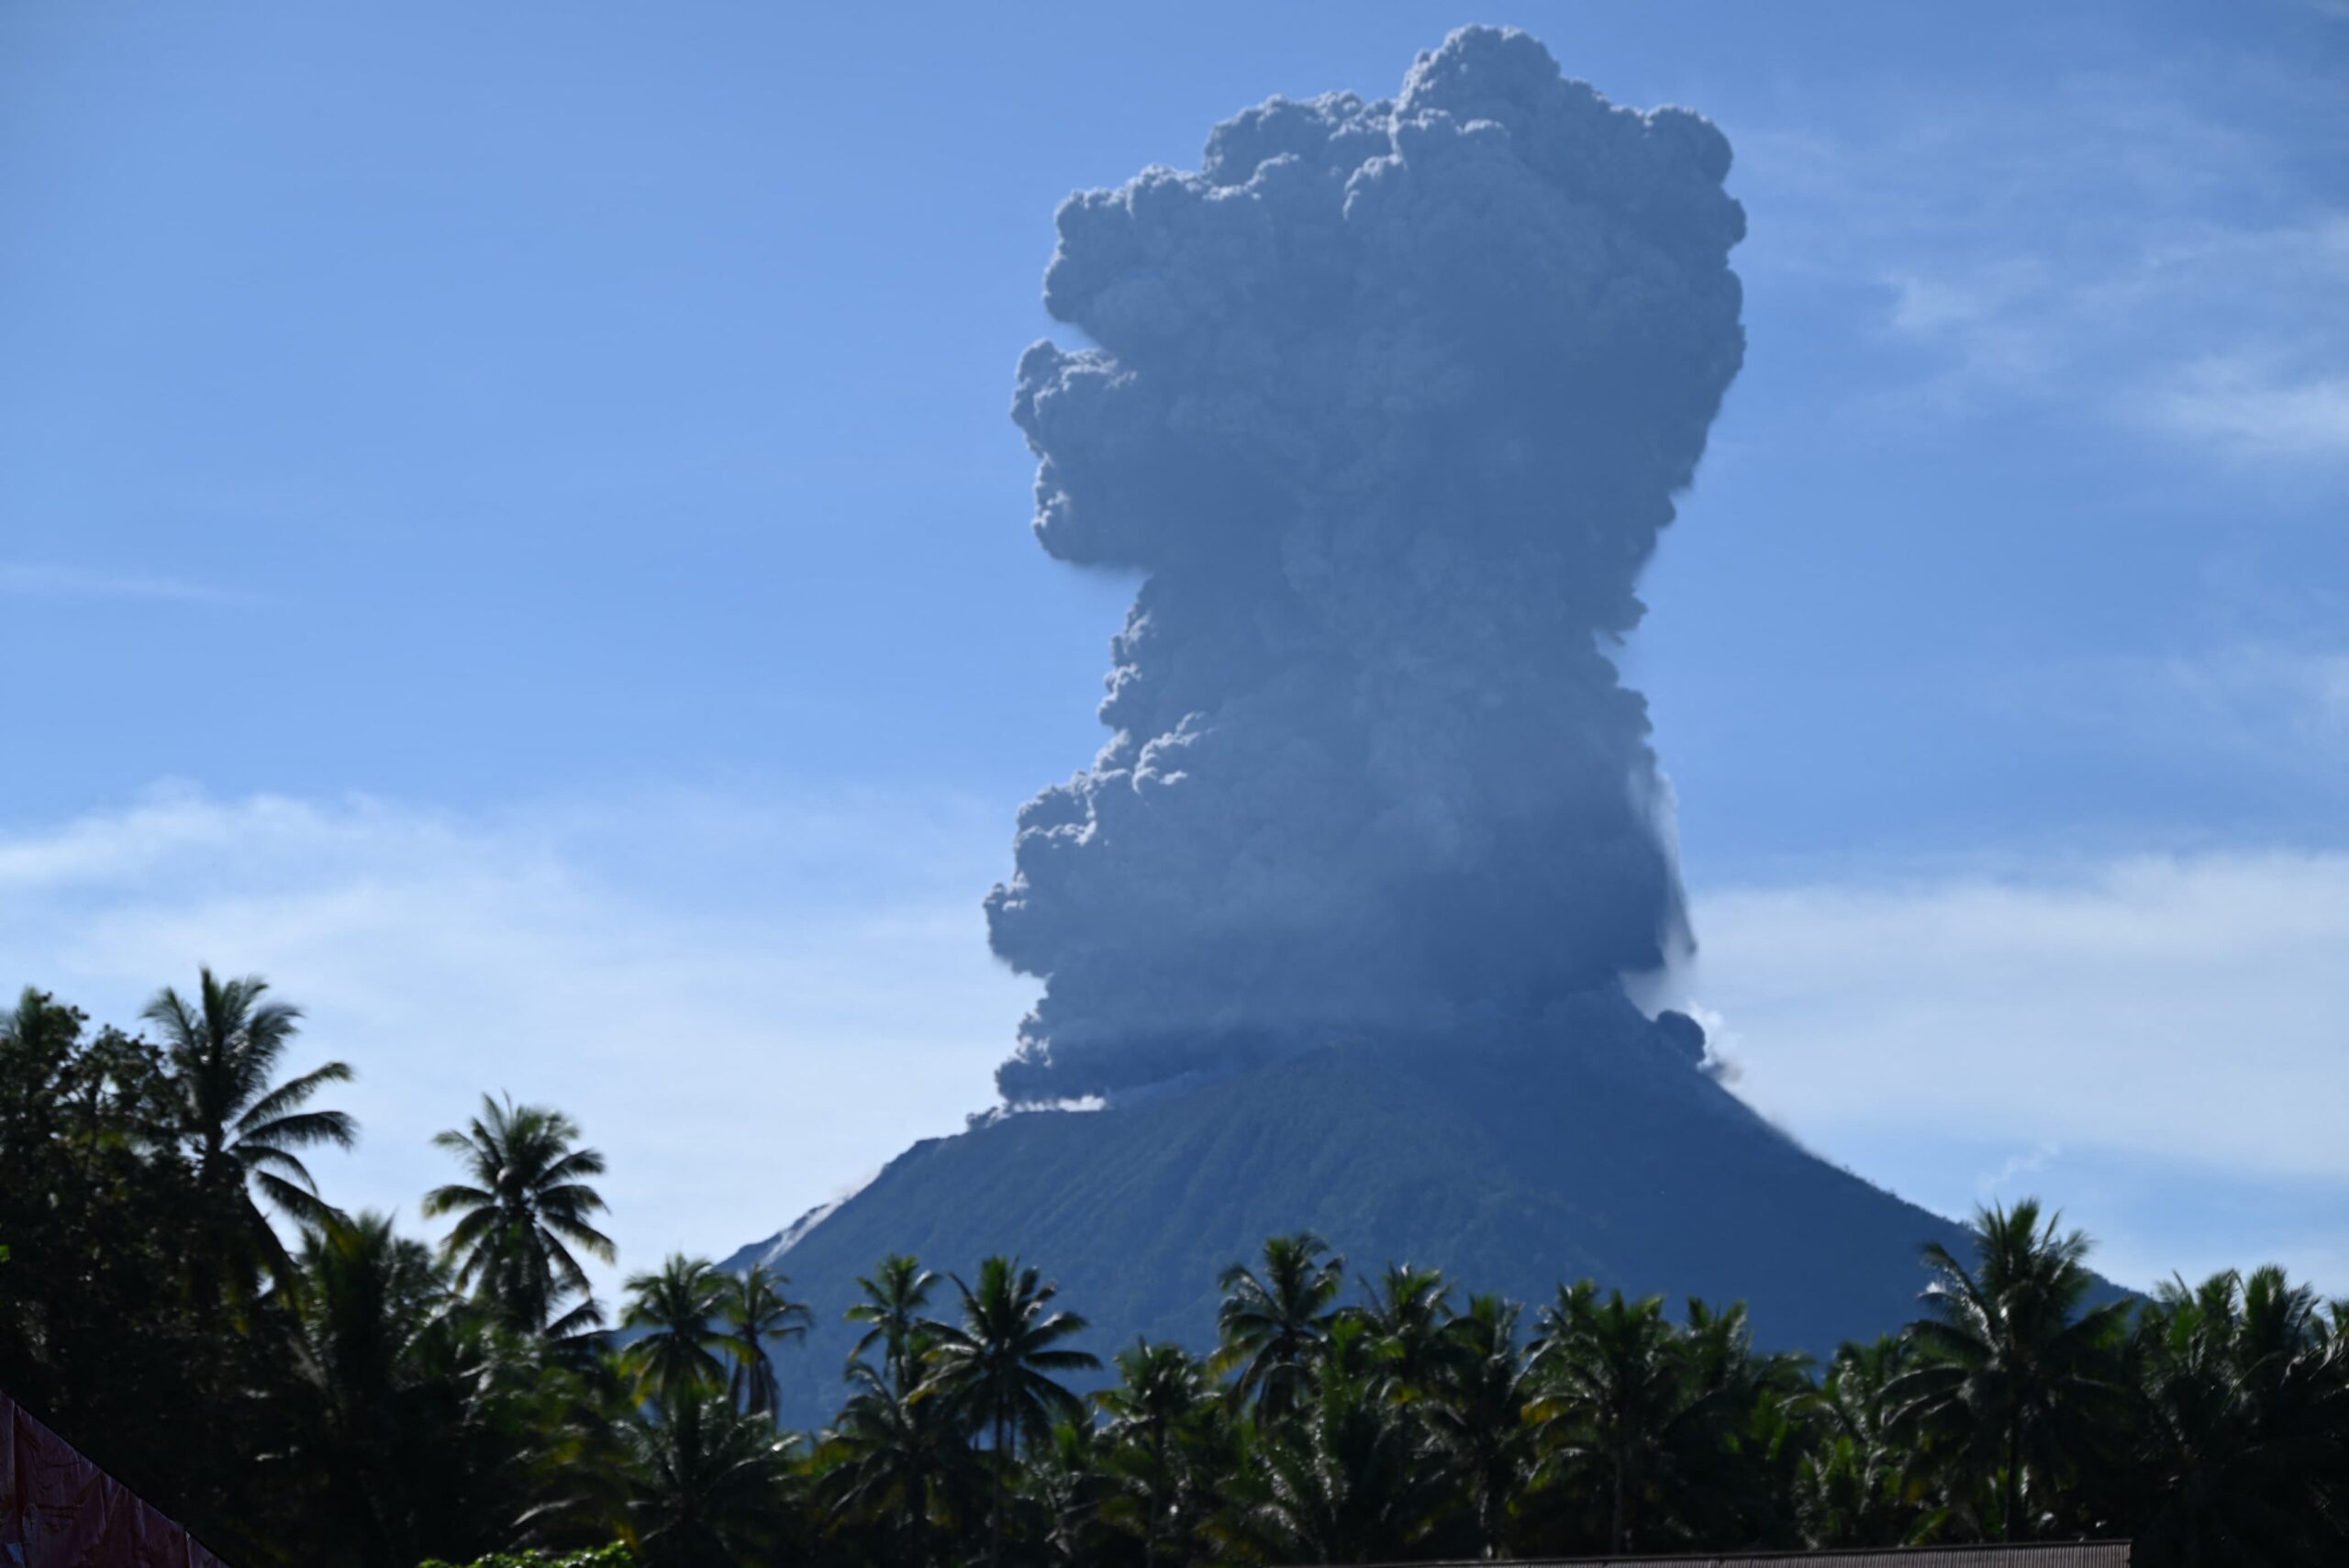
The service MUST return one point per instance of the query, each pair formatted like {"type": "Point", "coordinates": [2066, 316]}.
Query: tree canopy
{"type": "Point", "coordinates": [180, 1297]}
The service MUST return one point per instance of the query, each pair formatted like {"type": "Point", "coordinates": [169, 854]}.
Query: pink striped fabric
{"type": "Point", "coordinates": [57, 1510]}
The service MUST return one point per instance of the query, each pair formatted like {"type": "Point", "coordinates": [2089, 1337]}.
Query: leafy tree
{"type": "Point", "coordinates": [2012, 1369]}
{"type": "Point", "coordinates": [614, 1554]}
{"type": "Point", "coordinates": [362, 1411]}
{"type": "Point", "coordinates": [525, 1206]}
{"type": "Point", "coordinates": [1271, 1327]}
{"type": "Point", "coordinates": [107, 1304]}
{"type": "Point", "coordinates": [677, 1351]}
{"type": "Point", "coordinates": [757, 1312]}
{"type": "Point", "coordinates": [243, 1126]}
{"type": "Point", "coordinates": [994, 1367]}
{"type": "Point", "coordinates": [40, 1040]}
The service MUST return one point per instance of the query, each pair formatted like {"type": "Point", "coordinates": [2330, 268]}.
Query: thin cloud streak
{"type": "Point", "coordinates": [2124, 1004]}
{"type": "Point", "coordinates": [2155, 1044]}
{"type": "Point", "coordinates": [2277, 702]}
{"type": "Point", "coordinates": [2119, 245]}
{"type": "Point", "coordinates": [33, 580]}
{"type": "Point", "coordinates": [2256, 411]}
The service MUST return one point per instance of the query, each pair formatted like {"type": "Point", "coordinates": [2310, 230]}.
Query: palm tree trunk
{"type": "Point", "coordinates": [1615, 1541]}
{"type": "Point", "coordinates": [1155, 1503]}
{"type": "Point", "coordinates": [1488, 1506]}
{"type": "Point", "coordinates": [918, 1515]}
{"type": "Point", "coordinates": [2014, 1477]}
{"type": "Point", "coordinates": [995, 1520]}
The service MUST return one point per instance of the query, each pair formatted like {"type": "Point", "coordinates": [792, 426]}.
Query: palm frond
{"type": "Point", "coordinates": [299, 1203]}
{"type": "Point", "coordinates": [304, 1129]}
{"type": "Point", "coordinates": [292, 1094]}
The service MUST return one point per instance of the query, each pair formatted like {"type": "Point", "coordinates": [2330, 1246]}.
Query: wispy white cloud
{"type": "Point", "coordinates": [2270, 700]}
{"type": "Point", "coordinates": [2269, 708]}
{"type": "Point", "coordinates": [1995, 1185]}
{"type": "Point", "coordinates": [2254, 409]}
{"type": "Point", "coordinates": [2119, 1003]}
{"type": "Point", "coordinates": [745, 1003]}
{"type": "Point", "coordinates": [2124, 245]}
{"type": "Point", "coordinates": [34, 580]}
{"type": "Point", "coordinates": [2185, 1013]}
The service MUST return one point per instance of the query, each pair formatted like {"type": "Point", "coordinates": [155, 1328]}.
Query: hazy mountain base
{"type": "Point", "coordinates": [1600, 1150]}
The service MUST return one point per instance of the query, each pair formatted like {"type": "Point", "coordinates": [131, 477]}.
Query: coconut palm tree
{"type": "Point", "coordinates": [2010, 1369]}
{"type": "Point", "coordinates": [1349, 1478]}
{"type": "Point", "coordinates": [994, 1367]}
{"type": "Point", "coordinates": [1476, 1413]}
{"type": "Point", "coordinates": [1857, 1484]}
{"type": "Point", "coordinates": [2241, 1428]}
{"type": "Point", "coordinates": [558, 1422]}
{"type": "Point", "coordinates": [1062, 1490]}
{"type": "Point", "coordinates": [526, 1205]}
{"type": "Point", "coordinates": [1609, 1386]}
{"type": "Point", "coordinates": [756, 1312]}
{"type": "Point", "coordinates": [708, 1484]}
{"type": "Point", "coordinates": [1272, 1326]}
{"type": "Point", "coordinates": [1160, 1389]}
{"type": "Point", "coordinates": [356, 1402]}
{"type": "Point", "coordinates": [1724, 1467]}
{"type": "Point", "coordinates": [1409, 1316]}
{"type": "Point", "coordinates": [678, 1349]}
{"type": "Point", "coordinates": [240, 1127]}
{"type": "Point", "coordinates": [896, 1295]}
{"type": "Point", "coordinates": [893, 1463]}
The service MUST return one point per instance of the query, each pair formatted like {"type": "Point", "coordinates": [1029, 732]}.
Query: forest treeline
{"type": "Point", "coordinates": [303, 1385]}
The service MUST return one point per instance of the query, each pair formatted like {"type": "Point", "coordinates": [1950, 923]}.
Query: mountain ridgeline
{"type": "Point", "coordinates": [1514, 1163]}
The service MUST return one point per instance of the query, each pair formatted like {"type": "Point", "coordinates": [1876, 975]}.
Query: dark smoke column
{"type": "Point", "coordinates": [1390, 402]}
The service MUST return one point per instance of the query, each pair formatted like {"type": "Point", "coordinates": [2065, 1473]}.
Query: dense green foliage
{"type": "Point", "coordinates": [611, 1555]}
{"type": "Point", "coordinates": [301, 1385]}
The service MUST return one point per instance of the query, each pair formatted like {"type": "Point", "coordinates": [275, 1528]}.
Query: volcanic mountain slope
{"type": "Point", "coordinates": [1512, 1164]}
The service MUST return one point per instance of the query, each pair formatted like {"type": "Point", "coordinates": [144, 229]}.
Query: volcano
{"type": "Point", "coordinates": [1389, 404]}
{"type": "Point", "coordinates": [1514, 1165]}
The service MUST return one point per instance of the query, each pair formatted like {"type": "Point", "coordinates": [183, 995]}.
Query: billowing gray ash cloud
{"type": "Point", "coordinates": [1389, 401]}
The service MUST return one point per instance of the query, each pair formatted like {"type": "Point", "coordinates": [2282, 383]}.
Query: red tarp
{"type": "Point", "coordinates": [57, 1510]}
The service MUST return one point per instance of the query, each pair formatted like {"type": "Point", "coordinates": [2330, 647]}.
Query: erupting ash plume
{"type": "Point", "coordinates": [1391, 401]}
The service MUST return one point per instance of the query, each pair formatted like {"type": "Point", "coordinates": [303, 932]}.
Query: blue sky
{"type": "Point", "coordinates": [509, 526]}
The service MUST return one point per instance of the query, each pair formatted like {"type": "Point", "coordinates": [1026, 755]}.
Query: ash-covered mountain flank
{"type": "Point", "coordinates": [1513, 1164]}
{"type": "Point", "coordinates": [1389, 403]}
